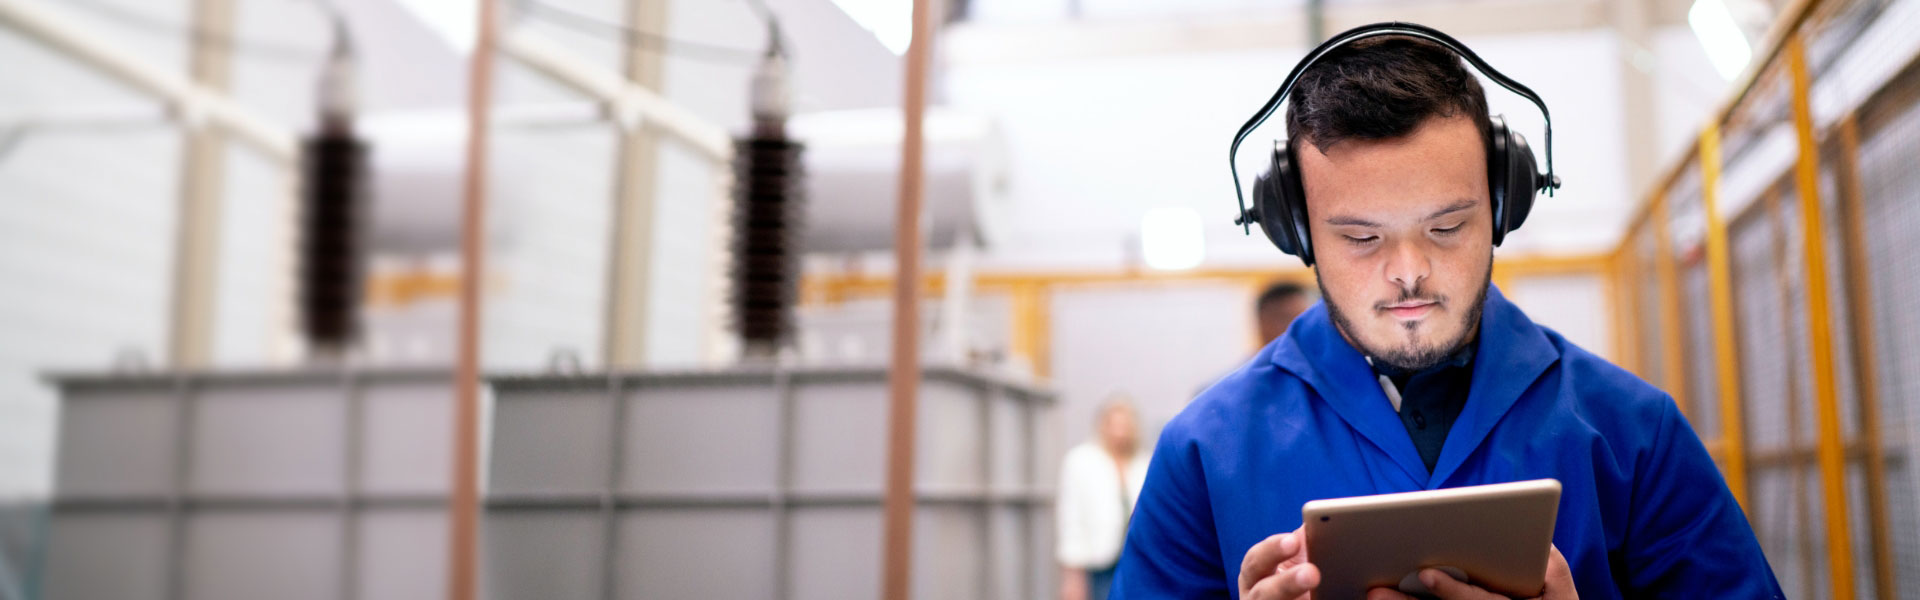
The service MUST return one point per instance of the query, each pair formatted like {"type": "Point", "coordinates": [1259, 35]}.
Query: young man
{"type": "Point", "coordinates": [1414, 373]}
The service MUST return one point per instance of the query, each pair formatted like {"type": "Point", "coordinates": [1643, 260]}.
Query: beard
{"type": "Point", "coordinates": [1412, 356]}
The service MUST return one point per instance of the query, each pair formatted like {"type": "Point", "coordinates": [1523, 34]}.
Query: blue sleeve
{"type": "Point", "coordinates": [1171, 549]}
{"type": "Point", "coordinates": [1687, 538]}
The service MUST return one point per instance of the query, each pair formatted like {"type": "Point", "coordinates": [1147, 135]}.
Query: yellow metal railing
{"type": "Point", "coordinates": [1759, 441]}
{"type": "Point", "coordinates": [1031, 293]}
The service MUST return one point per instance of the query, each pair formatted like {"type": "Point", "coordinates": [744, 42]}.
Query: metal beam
{"type": "Point", "coordinates": [196, 262]}
{"type": "Point", "coordinates": [830, 288]}
{"type": "Point", "coordinates": [191, 102]}
{"type": "Point", "coordinates": [1833, 473]}
{"type": "Point", "coordinates": [1783, 287]}
{"type": "Point", "coordinates": [631, 235]}
{"type": "Point", "coordinates": [1860, 327]}
{"type": "Point", "coordinates": [1720, 293]}
{"type": "Point", "coordinates": [463, 509]}
{"type": "Point", "coordinates": [1619, 286]}
{"type": "Point", "coordinates": [903, 374]}
{"type": "Point", "coordinates": [630, 105]}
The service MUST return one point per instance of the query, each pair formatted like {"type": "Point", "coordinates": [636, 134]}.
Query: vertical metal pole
{"type": "Point", "coordinates": [989, 576]}
{"type": "Point", "coordinates": [904, 377]}
{"type": "Point", "coordinates": [1796, 448]}
{"type": "Point", "coordinates": [1720, 293]}
{"type": "Point", "coordinates": [186, 409]}
{"type": "Point", "coordinates": [463, 511]}
{"type": "Point", "coordinates": [351, 504]}
{"type": "Point", "coordinates": [1039, 563]}
{"type": "Point", "coordinates": [1673, 346]}
{"type": "Point", "coordinates": [783, 546]}
{"type": "Point", "coordinates": [1860, 323]}
{"type": "Point", "coordinates": [1616, 282]}
{"type": "Point", "coordinates": [1833, 467]}
{"type": "Point", "coordinates": [1042, 331]}
{"type": "Point", "coordinates": [196, 261]}
{"type": "Point", "coordinates": [631, 231]}
{"type": "Point", "coordinates": [1626, 301]}
{"type": "Point", "coordinates": [610, 496]}
{"type": "Point", "coordinates": [1026, 324]}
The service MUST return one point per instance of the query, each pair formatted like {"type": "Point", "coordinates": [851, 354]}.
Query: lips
{"type": "Point", "coordinates": [1407, 311]}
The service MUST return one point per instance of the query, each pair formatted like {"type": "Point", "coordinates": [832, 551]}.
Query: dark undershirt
{"type": "Point", "coordinates": [1431, 399]}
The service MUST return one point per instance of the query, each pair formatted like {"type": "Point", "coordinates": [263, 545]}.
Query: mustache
{"type": "Point", "coordinates": [1411, 295]}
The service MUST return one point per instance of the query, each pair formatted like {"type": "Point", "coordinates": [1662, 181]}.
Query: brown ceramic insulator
{"type": "Point", "coordinates": [767, 218]}
{"type": "Point", "coordinates": [333, 225]}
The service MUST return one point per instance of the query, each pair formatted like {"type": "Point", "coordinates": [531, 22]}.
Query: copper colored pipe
{"type": "Point", "coordinates": [904, 376]}
{"type": "Point", "coordinates": [463, 510]}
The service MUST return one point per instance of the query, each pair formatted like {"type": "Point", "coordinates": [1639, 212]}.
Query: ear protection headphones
{"type": "Point", "coordinates": [1280, 206]}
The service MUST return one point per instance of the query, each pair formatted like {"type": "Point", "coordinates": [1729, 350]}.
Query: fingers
{"type": "Point", "coordinates": [1559, 577]}
{"type": "Point", "coordinates": [1448, 588]}
{"type": "Point", "coordinates": [1386, 594]}
{"type": "Point", "coordinates": [1265, 557]}
{"type": "Point", "coordinates": [1290, 583]}
{"type": "Point", "coordinates": [1557, 564]}
{"type": "Point", "coordinates": [1259, 561]}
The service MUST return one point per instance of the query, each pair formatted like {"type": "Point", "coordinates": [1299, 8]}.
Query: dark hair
{"type": "Point", "coordinates": [1382, 87]}
{"type": "Point", "coordinates": [1277, 292]}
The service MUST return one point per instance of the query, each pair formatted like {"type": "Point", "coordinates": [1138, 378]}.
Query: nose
{"type": "Point", "coordinates": [1407, 266]}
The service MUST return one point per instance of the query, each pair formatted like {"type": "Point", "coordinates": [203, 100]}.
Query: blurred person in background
{"type": "Point", "coordinates": [1099, 482]}
{"type": "Point", "coordinates": [1277, 306]}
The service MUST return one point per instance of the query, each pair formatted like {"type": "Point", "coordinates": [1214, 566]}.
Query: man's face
{"type": "Point", "coordinates": [1402, 238]}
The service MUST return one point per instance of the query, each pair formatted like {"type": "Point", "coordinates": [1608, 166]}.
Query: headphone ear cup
{"type": "Point", "coordinates": [1279, 206]}
{"type": "Point", "coordinates": [1523, 180]}
{"type": "Point", "coordinates": [1511, 177]}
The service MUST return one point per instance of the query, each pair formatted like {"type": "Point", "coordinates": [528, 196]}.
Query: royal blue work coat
{"type": "Point", "coordinates": [1643, 511]}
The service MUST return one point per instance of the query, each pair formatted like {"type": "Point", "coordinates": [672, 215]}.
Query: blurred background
{"type": "Point", "coordinates": [230, 232]}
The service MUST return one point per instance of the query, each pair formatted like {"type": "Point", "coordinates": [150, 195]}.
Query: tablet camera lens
{"type": "Point", "coordinates": [1325, 519]}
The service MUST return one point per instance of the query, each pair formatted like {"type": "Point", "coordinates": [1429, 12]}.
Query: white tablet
{"type": "Point", "coordinates": [1493, 536]}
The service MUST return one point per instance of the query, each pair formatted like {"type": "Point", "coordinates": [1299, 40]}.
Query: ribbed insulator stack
{"type": "Point", "coordinates": [767, 212]}
{"type": "Point", "coordinates": [333, 223]}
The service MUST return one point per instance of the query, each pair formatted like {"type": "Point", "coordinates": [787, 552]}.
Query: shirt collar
{"type": "Point", "coordinates": [1508, 356]}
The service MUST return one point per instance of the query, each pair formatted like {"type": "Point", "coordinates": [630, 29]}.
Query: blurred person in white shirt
{"type": "Point", "coordinates": [1099, 482]}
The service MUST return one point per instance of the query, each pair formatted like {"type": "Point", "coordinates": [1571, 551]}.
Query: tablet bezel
{"type": "Point", "coordinates": [1499, 534]}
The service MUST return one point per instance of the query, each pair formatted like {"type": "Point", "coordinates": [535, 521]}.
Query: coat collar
{"type": "Point", "coordinates": [1510, 355]}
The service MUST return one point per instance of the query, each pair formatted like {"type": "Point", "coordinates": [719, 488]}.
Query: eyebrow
{"type": "Point", "coordinates": [1356, 221]}
{"type": "Point", "coordinates": [1451, 208]}
{"type": "Point", "coordinates": [1359, 222]}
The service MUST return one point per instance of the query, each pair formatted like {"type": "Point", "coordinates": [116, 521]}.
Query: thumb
{"type": "Point", "coordinates": [1559, 575]}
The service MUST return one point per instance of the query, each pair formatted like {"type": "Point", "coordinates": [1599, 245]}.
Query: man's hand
{"type": "Point", "coordinates": [1559, 584]}
{"type": "Point", "coordinates": [1277, 569]}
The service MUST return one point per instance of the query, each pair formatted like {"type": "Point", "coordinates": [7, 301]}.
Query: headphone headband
{"type": "Point", "coordinates": [1552, 181]}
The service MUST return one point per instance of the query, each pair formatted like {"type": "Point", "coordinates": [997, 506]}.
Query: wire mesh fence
{"type": "Point", "coordinates": [1811, 175]}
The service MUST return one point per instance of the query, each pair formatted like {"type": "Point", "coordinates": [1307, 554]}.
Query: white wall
{"type": "Point", "coordinates": [86, 242]}
{"type": "Point", "coordinates": [551, 192]}
{"type": "Point", "coordinates": [1096, 142]}
{"type": "Point", "coordinates": [1159, 345]}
